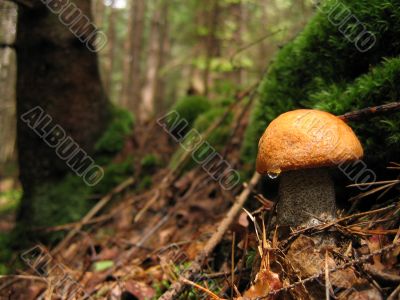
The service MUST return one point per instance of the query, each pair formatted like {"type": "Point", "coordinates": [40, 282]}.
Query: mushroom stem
{"type": "Point", "coordinates": [305, 197]}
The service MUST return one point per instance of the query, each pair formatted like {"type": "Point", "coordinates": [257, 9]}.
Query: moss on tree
{"type": "Point", "coordinates": [322, 69]}
{"type": "Point", "coordinates": [68, 199]}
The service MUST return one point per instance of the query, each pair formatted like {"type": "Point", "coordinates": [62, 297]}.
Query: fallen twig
{"type": "Point", "coordinates": [208, 292]}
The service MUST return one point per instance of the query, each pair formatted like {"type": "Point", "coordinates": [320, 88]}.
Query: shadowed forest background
{"type": "Point", "coordinates": [145, 225]}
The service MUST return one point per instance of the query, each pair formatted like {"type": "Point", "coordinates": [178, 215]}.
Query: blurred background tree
{"type": "Point", "coordinates": [159, 50]}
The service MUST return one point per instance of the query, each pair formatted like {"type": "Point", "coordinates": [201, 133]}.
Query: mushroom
{"type": "Point", "coordinates": [302, 145]}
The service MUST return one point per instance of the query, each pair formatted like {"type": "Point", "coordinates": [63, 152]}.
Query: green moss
{"type": "Point", "coordinates": [190, 107]}
{"type": "Point", "coordinates": [114, 174]}
{"type": "Point", "coordinates": [322, 69]}
{"type": "Point", "coordinates": [60, 202]}
{"type": "Point", "coordinates": [5, 253]}
{"type": "Point", "coordinates": [68, 199]}
{"type": "Point", "coordinates": [217, 138]}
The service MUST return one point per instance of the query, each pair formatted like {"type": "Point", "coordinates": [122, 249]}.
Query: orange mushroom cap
{"type": "Point", "coordinates": [305, 138]}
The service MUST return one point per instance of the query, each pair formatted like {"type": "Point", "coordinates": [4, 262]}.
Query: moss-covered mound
{"type": "Point", "coordinates": [324, 68]}
{"type": "Point", "coordinates": [190, 107]}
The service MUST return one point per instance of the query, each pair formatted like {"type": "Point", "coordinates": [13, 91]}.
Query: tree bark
{"type": "Point", "coordinates": [57, 72]}
{"type": "Point", "coordinates": [111, 49]}
{"type": "Point", "coordinates": [134, 47]}
{"type": "Point", "coordinates": [7, 82]}
{"type": "Point", "coordinates": [212, 42]}
{"type": "Point", "coordinates": [157, 46]}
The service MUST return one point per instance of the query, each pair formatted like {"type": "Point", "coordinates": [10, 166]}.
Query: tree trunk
{"type": "Point", "coordinates": [134, 47]}
{"type": "Point", "coordinates": [239, 13]}
{"type": "Point", "coordinates": [157, 46]}
{"type": "Point", "coordinates": [111, 49]}
{"type": "Point", "coordinates": [163, 55]}
{"type": "Point", "coordinates": [212, 42]}
{"type": "Point", "coordinates": [7, 82]}
{"type": "Point", "coordinates": [58, 73]}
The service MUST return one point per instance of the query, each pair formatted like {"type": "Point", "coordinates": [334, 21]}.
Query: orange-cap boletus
{"type": "Point", "coordinates": [301, 145]}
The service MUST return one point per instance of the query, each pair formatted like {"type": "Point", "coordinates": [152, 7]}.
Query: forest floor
{"type": "Point", "coordinates": [187, 238]}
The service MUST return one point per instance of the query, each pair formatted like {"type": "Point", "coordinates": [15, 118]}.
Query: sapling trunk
{"type": "Point", "coordinates": [305, 197]}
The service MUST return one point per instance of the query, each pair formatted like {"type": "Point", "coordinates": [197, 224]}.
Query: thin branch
{"type": "Point", "coordinates": [370, 111]}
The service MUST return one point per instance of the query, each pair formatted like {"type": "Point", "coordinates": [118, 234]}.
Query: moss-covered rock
{"type": "Point", "coordinates": [323, 69]}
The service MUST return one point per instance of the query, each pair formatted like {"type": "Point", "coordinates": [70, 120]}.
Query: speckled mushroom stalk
{"type": "Point", "coordinates": [306, 197]}
{"type": "Point", "coordinates": [301, 145]}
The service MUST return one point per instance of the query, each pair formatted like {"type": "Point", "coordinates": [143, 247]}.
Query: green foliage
{"type": "Point", "coordinates": [190, 107]}
{"type": "Point", "coordinates": [322, 69]}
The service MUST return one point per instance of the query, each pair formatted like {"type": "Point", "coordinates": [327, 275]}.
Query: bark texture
{"type": "Point", "coordinates": [57, 72]}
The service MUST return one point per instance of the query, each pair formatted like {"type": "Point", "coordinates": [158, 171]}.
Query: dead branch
{"type": "Point", "coordinates": [370, 111]}
{"type": "Point", "coordinates": [179, 286]}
